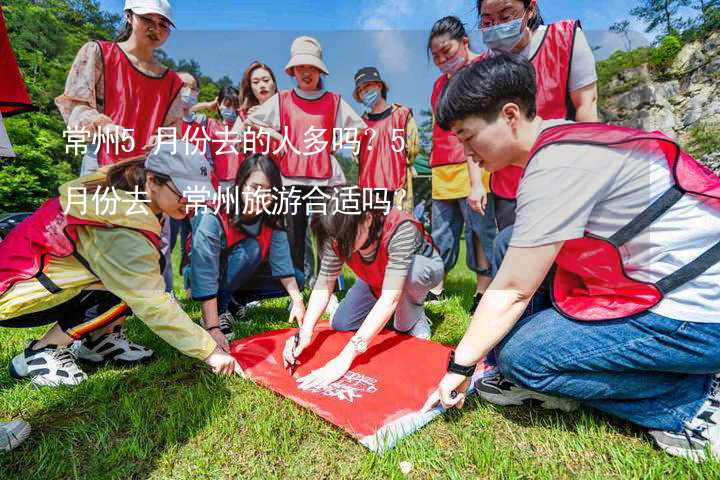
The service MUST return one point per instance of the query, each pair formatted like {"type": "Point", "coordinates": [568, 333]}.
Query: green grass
{"type": "Point", "coordinates": [171, 418]}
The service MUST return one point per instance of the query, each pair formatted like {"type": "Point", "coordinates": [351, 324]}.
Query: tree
{"type": "Point", "coordinates": [659, 15]}
{"type": "Point", "coordinates": [623, 28]}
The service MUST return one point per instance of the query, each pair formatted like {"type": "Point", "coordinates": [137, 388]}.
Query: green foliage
{"type": "Point", "coordinates": [704, 139]}
{"type": "Point", "coordinates": [663, 56]}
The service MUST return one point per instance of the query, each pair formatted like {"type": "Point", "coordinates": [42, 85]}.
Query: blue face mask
{"type": "Point", "coordinates": [228, 114]}
{"type": "Point", "coordinates": [370, 98]}
{"type": "Point", "coordinates": [504, 37]}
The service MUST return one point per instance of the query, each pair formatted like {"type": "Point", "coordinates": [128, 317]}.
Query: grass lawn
{"type": "Point", "coordinates": [172, 418]}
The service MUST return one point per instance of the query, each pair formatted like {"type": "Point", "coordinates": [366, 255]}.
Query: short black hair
{"type": "Point", "coordinates": [484, 87]}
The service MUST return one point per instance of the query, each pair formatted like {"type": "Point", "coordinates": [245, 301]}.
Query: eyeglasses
{"type": "Point", "coordinates": [150, 23]}
{"type": "Point", "coordinates": [506, 16]}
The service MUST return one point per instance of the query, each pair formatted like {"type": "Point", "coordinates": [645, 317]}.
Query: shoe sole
{"type": "Point", "coordinates": [545, 402]}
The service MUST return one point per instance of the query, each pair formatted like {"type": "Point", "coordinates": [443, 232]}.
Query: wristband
{"type": "Point", "coordinates": [459, 369]}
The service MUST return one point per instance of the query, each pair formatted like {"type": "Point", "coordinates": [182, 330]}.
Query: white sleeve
{"type": "Point", "coordinates": [582, 67]}
{"type": "Point", "coordinates": [268, 113]}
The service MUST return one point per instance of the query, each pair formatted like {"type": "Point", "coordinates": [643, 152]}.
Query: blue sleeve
{"type": "Point", "coordinates": [207, 244]}
{"type": "Point", "coordinates": [279, 255]}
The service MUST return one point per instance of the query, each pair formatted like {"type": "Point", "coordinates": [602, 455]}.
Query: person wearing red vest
{"type": "Point", "coordinates": [389, 145]}
{"type": "Point", "coordinates": [566, 83]}
{"type": "Point", "coordinates": [396, 265]}
{"type": "Point", "coordinates": [449, 46]}
{"type": "Point", "coordinates": [631, 226]}
{"type": "Point", "coordinates": [230, 244]}
{"type": "Point", "coordinates": [88, 259]}
{"type": "Point", "coordinates": [305, 119]}
{"type": "Point", "coordinates": [121, 91]}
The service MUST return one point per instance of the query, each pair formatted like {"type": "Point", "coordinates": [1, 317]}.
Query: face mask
{"type": "Point", "coordinates": [453, 65]}
{"type": "Point", "coordinates": [228, 114]}
{"type": "Point", "coordinates": [370, 99]}
{"type": "Point", "coordinates": [504, 37]}
{"type": "Point", "coordinates": [188, 98]}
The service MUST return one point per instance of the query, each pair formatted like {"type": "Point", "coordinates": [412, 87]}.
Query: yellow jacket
{"type": "Point", "coordinates": [123, 261]}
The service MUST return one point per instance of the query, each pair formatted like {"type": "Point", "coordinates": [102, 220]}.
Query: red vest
{"type": "Point", "coordinates": [552, 64]}
{"type": "Point", "coordinates": [381, 166]}
{"type": "Point", "coordinates": [45, 234]}
{"type": "Point", "coordinates": [225, 151]}
{"type": "Point", "coordinates": [133, 100]}
{"type": "Point", "coordinates": [234, 235]}
{"type": "Point", "coordinates": [446, 148]}
{"type": "Point", "coordinates": [297, 117]}
{"type": "Point", "coordinates": [373, 273]}
{"type": "Point", "coordinates": [590, 281]}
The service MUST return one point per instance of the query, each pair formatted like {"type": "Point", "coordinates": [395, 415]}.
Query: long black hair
{"type": "Point", "coordinates": [342, 228]}
{"type": "Point", "coordinates": [263, 163]}
{"type": "Point", "coordinates": [450, 25]}
{"type": "Point", "coordinates": [533, 22]}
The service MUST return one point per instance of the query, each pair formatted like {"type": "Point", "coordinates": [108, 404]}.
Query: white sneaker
{"type": "Point", "coordinates": [13, 434]}
{"type": "Point", "coordinates": [332, 307]}
{"type": "Point", "coordinates": [421, 328]}
{"type": "Point", "coordinates": [499, 390]}
{"type": "Point", "coordinates": [49, 366]}
{"type": "Point", "coordinates": [225, 322]}
{"type": "Point", "coordinates": [113, 346]}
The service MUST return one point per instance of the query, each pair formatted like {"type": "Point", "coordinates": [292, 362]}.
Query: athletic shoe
{"type": "Point", "coordinates": [499, 390]}
{"type": "Point", "coordinates": [13, 434]}
{"type": "Point", "coordinates": [476, 302]}
{"type": "Point", "coordinates": [700, 437]}
{"type": "Point", "coordinates": [225, 322]}
{"type": "Point", "coordinates": [48, 366]}
{"type": "Point", "coordinates": [421, 328]}
{"type": "Point", "coordinates": [114, 346]}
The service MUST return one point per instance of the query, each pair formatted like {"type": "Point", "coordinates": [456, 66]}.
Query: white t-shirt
{"type": "Point", "coordinates": [582, 65]}
{"type": "Point", "coordinates": [5, 146]}
{"type": "Point", "coordinates": [567, 190]}
{"type": "Point", "coordinates": [268, 114]}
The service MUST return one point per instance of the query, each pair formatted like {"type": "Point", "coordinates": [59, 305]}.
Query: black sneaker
{"type": "Point", "coordinates": [49, 366]}
{"type": "Point", "coordinates": [476, 302]}
{"type": "Point", "coordinates": [700, 437]}
{"type": "Point", "coordinates": [499, 390]}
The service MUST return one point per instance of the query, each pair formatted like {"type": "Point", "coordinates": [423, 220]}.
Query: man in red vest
{"type": "Point", "coordinates": [630, 223]}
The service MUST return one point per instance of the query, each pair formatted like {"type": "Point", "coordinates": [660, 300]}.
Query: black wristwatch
{"type": "Point", "coordinates": [459, 369]}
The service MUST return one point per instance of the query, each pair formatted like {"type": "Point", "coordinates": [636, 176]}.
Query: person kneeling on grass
{"type": "Point", "coordinates": [229, 243]}
{"type": "Point", "coordinates": [84, 265]}
{"type": "Point", "coordinates": [631, 225]}
{"type": "Point", "coordinates": [396, 265]}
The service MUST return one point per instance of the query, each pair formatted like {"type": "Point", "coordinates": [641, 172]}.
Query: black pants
{"type": "Point", "coordinates": [79, 316]}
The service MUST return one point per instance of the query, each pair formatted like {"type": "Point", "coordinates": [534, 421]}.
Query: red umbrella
{"type": "Point", "coordinates": [13, 95]}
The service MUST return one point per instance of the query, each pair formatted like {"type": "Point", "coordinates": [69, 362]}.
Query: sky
{"type": "Point", "coordinates": [224, 36]}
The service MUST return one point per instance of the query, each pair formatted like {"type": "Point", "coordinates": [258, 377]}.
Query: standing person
{"type": "Point", "coordinates": [396, 265]}
{"type": "Point", "coordinates": [230, 243]}
{"type": "Point", "coordinates": [120, 90]}
{"type": "Point", "coordinates": [389, 146]}
{"type": "Point", "coordinates": [450, 48]}
{"type": "Point", "coordinates": [298, 115]}
{"type": "Point", "coordinates": [567, 85]}
{"type": "Point", "coordinates": [634, 330]}
{"type": "Point", "coordinates": [84, 267]}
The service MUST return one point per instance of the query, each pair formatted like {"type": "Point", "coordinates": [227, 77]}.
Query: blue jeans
{"type": "Point", "coordinates": [448, 219]}
{"type": "Point", "coordinates": [651, 370]}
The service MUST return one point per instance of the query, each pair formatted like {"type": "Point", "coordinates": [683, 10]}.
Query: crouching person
{"type": "Point", "coordinates": [230, 242]}
{"type": "Point", "coordinates": [85, 266]}
{"type": "Point", "coordinates": [396, 265]}
{"type": "Point", "coordinates": [631, 224]}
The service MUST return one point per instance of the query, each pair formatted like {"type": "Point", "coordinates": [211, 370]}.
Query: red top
{"type": "Point", "coordinates": [382, 163]}
{"type": "Point", "coordinates": [13, 95]}
{"type": "Point", "coordinates": [552, 63]}
{"type": "Point", "coordinates": [304, 120]}
{"type": "Point", "coordinates": [133, 100]}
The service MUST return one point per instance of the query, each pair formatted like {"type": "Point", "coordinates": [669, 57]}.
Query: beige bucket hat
{"type": "Point", "coordinates": [306, 51]}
